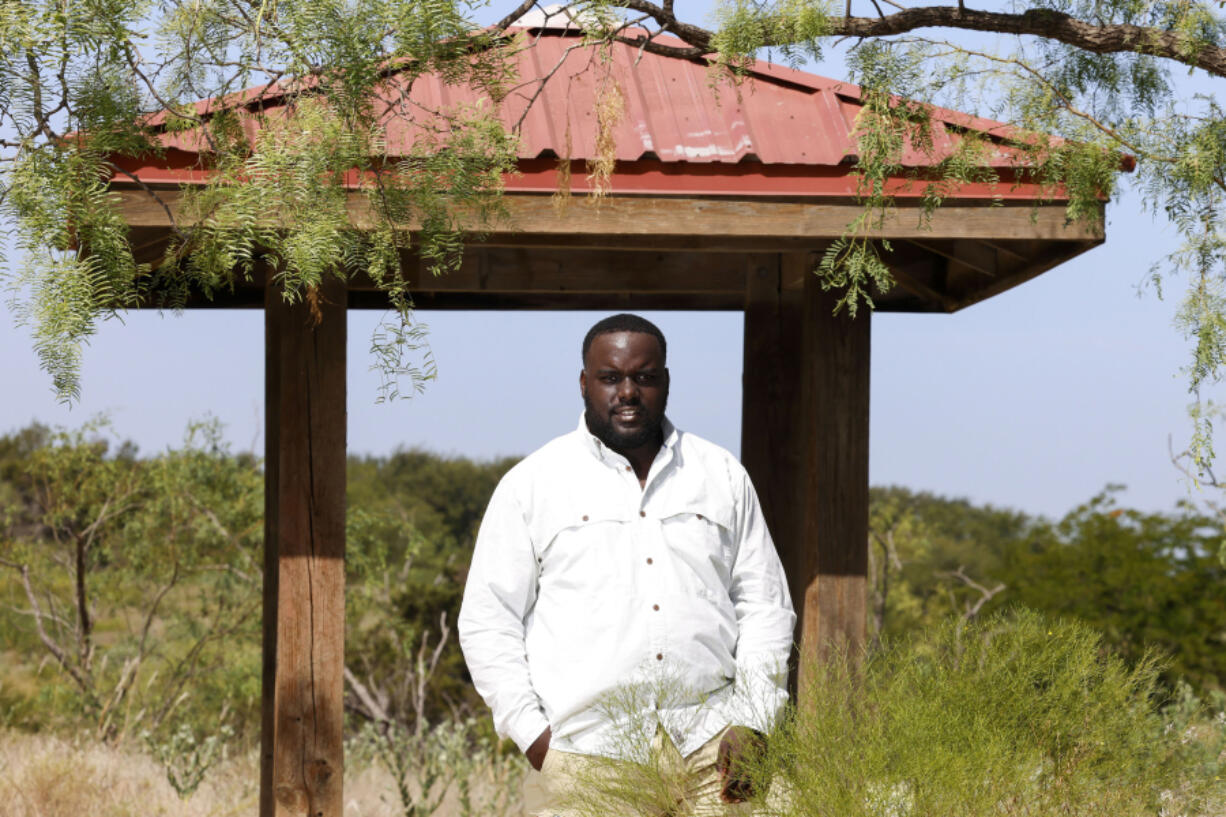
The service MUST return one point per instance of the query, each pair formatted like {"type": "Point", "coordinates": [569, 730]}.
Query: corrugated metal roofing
{"type": "Point", "coordinates": [775, 131]}
{"type": "Point", "coordinates": [675, 110]}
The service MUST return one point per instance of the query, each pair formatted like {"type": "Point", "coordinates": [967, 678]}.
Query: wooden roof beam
{"type": "Point", "coordinates": [658, 221]}
{"type": "Point", "coordinates": [544, 270]}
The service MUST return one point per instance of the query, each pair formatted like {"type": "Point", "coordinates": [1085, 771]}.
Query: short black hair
{"type": "Point", "coordinates": [624, 322]}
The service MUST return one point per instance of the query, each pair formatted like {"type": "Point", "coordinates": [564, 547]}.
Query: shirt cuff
{"type": "Point", "coordinates": [526, 727]}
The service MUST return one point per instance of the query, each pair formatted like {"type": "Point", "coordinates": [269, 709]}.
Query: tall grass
{"type": "Point", "coordinates": [1018, 715]}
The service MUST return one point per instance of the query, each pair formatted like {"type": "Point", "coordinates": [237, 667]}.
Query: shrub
{"type": "Point", "coordinates": [1019, 714]}
{"type": "Point", "coordinates": [454, 768]}
{"type": "Point", "coordinates": [1015, 715]}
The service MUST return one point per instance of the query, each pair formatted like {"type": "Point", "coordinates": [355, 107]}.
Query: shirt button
{"type": "Point", "coordinates": [585, 517]}
{"type": "Point", "coordinates": [655, 607]}
{"type": "Point", "coordinates": [627, 467]}
{"type": "Point", "coordinates": [648, 560]}
{"type": "Point", "coordinates": [642, 513]}
{"type": "Point", "coordinates": [700, 516]}
{"type": "Point", "coordinates": [659, 656]}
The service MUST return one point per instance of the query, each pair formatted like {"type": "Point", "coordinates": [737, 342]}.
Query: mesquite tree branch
{"type": "Point", "coordinates": [427, 663]}
{"type": "Point", "coordinates": [370, 705]}
{"type": "Point", "coordinates": [57, 652]}
{"type": "Point", "coordinates": [985, 595]}
{"type": "Point", "coordinates": [1104, 38]}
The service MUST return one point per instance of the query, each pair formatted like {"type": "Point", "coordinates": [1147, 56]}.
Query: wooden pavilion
{"type": "Point", "coordinates": [720, 199]}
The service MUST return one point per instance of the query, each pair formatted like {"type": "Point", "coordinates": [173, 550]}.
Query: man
{"type": "Point", "coordinates": [623, 580]}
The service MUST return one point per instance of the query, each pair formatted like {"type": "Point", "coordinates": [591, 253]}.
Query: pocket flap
{"type": "Point", "coordinates": [554, 517]}
{"type": "Point", "coordinates": [719, 515]}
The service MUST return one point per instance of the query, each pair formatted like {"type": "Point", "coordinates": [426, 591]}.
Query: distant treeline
{"type": "Point", "coordinates": [130, 586]}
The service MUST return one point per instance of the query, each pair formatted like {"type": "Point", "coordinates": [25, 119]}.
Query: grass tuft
{"type": "Point", "coordinates": [1017, 715]}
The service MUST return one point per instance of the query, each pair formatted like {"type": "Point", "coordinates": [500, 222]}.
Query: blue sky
{"type": "Point", "coordinates": [1035, 399]}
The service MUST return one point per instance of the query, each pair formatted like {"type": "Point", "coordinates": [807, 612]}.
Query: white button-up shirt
{"type": "Point", "coordinates": [601, 608]}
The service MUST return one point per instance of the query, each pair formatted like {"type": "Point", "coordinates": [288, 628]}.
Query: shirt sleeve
{"type": "Point", "coordinates": [765, 621]}
{"type": "Point", "coordinates": [499, 594]}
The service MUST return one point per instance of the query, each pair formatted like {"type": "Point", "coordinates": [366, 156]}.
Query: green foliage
{"type": "Point", "coordinates": [60, 198]}
{"type": "Point", "coordinates": [853, 265]}
{"type": "Point", "coordinates": [454, 755]}
{"type": "Point", "coordinates": [77, 86]}
{"type": "Point", "coordinates": [176, 546]}
{"type": "Point", "coordinates": [1147, 582]}
{"type": "Point", "coordinates": [1075, 113]}
{"type": "Point", "coordinates": [1020, 714]}
{"type": "Point", "coordinates": [412, 525]}
{"type": "Point", "coordinates": [920, 543]}
{"type": "Point", "coordinates": [410, 536]}
{"type": "Point", "coordinates": [797, 26]}
{"type": "Point", "coordinates": [133, 583]}
{"type": "Point", "coordinates": [187, 757]}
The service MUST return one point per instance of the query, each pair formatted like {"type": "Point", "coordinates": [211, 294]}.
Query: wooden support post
{"type": "Point", "coordinates": [771, 416]}
{"type": "Point", "coordinates": [301, 761]}
{"type": "Point", "coordinates": [834, 393]}
{"type": "Point", "coordinates": [804, 441]}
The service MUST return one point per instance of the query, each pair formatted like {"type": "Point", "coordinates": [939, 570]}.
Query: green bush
{"type": "Point", "coordinates": [1147, 582]}
{"type": "Point", "coordinates": [1019, 714]}
{"type": "Point", "coordinates": [129, 588]}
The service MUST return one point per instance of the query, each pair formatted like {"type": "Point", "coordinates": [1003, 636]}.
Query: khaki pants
{"type": "Point", "coordinates": [668, 785]}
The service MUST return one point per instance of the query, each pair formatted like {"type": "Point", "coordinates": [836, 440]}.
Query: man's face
{"type": "Point", "coordinates": [625, 389]}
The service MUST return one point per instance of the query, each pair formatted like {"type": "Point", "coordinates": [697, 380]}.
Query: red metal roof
{"type": "Point", "coordinates": [684, 129]}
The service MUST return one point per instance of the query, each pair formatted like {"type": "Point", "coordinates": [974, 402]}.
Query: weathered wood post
{"type": "Point", "coordinates": [835, 394]}
{"type": "Point", "coordinates": [301, 760]}
{"type": "Point", "coordinates": [804, 440]}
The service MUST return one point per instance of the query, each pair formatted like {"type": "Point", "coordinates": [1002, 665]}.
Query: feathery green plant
{"type": "Point", "coordinates": [78, 85]}
{"type": "Point", "coordinates": [1017, 714]}
{"type": "Point", "coordinates": [1078, 105]}
{"type": "Point", "coordinates": [187, 757]}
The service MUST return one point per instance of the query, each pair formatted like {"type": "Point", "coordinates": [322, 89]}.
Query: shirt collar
{"type": "Point", "coordinates": [602, 452]}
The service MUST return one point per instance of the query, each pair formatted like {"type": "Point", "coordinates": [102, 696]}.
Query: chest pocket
{"type": "Point", "coordinates": [700, 538]}
{"type": "Point", "coordinates": [575, 541]}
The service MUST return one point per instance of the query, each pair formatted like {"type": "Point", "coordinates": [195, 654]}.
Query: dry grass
{"type": "Point", "coordinates": [45, 776]}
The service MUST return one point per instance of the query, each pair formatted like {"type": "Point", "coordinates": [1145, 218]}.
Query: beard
{"type": "Point", "coordinates": [601, 426]}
